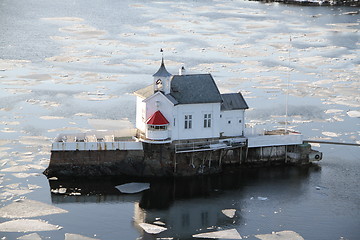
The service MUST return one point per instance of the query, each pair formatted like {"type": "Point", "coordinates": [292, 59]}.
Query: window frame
{"type": "Point", "coordinates": [207, 120]}
{"type": "Point", "coordinates": [188, 121]}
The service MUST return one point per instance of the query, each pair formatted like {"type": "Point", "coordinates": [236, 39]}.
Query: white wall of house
{"type": "Point", "coordinates": [140, 114]}
{"type": "Point", "coordinates": [232, 123]}
{"type": "Point", "coordinates": [197, 130]}
{"type": "Point", "coordinates": [158, 102]}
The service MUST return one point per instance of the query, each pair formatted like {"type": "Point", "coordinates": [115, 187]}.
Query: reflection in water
{"type": "Point", "coordinates": [186, 206]}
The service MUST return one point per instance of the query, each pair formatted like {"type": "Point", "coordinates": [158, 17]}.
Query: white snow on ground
{"type": "Point", "coordinates": [133, 187]}
{"type": "Point", "coordinates": [224, 234]}
{"type": "Point", "coordinates": [27, 225]}
{"type": "Point", "coordinates": [283, 235]}
{"type": "Point", "coordinates": [25, 208]}
{"type": "Point", "coordinates": [151, 228]}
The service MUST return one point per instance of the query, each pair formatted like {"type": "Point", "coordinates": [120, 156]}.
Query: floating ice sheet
{"type": "Point", "coordinates": [224, 234]}
{"type": "Point", "coordinates": [133, 187]}
{"type": "Point", "coordinates": [151, 228]}
{"type": "Point", "coordinates": [331, 134]}
{"type": "Point", "coordinates": [32, 236]}
{"type": "Point", "coordinates": [283, 235]}
{"type": "Point", "coordinates": [355, 114]}
{"type": "Point", "coordinates": [229, 212]}
{"type": "Point", "coordinates": [28, 208]}
{"type": "Point", "coordinates": [27, 225]}
{"type": "Point", "coordinates": [71, 236]}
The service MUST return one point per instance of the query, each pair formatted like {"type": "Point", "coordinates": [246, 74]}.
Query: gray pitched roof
{"type": "Point", "coordinates": [145, 92]}
{"type": "Point", "coordinates": [162, 72]}
{"type": "Point", "coordinates": [194, 88]}
{"type": "Point", "coordinates": [233, 101]}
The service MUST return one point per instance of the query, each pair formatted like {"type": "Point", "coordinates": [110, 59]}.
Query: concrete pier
{"type": "Point", "coordinates": [189, 158]}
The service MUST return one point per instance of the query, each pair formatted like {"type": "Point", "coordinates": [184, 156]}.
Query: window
{"type": "Point", "coordinates": [188, 121]}
{"type": "Point", "coordinates": [207, 120]}
{"type": "Point", "coordinates": [157, 128]}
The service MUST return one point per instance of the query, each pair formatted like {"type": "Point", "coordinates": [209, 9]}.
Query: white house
{"type": "Point", "coordinates": [187, 106]}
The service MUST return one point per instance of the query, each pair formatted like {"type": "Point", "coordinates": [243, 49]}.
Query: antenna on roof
{"type": "Point", "coordinates": [287, 89]}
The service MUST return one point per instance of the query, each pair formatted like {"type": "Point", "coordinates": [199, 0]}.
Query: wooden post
{"type": "Point", "coordinates": [210, 159]}
{"type": "Point", "coordinates": [175, 162]}
{"type": "Point", "coordinates": [221, 152]}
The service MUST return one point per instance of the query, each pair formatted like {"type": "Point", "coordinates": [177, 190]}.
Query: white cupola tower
{"type": "Point", "coordinates": [162, 79]}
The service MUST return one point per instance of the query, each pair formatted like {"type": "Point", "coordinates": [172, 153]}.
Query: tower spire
{"type": "Point", "coordinates": [162, 72]}
{"type": "Point", "coordinates": [162, 55]}
{"type": "Point", "coordinates": [162, 77]}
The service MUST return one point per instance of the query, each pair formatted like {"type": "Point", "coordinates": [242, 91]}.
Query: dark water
{"type": "Point", "coordinates": [55, 54]}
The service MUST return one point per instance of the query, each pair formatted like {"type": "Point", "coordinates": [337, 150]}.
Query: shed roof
{"type": "Point", "coordinates": [233, 101]}
{"type": "Point", "coordinates": [157, 119]}
{"type": "Point", "coordinates": [194, 88]}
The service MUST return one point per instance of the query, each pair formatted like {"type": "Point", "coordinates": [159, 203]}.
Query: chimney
{"type": "Point", "coordinates": [182, 70]}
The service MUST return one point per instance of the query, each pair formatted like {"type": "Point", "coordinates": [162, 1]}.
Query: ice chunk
{"type": "Point", "coordinates": [33, 186]}
{"type": "Point", "coordinates": [28, 208]}
{"type": "Point", "coordinates": [27, 225]}
{"type": "Point", "coordinates": [354, 114]}
{"type": "Point", "coordinates": [71, 236]}
{"type": "Point", "coordinates": [330, 134]}
{"type": "Point", "coordinates": [25, 175]}
{"type": "Point", "coordinates": [151, 228]}
{"type": "Point", "coordinates": [229, 212]}
{"type": "Point", "coordinates": [32, 236]}
{"type": "Point", "coordinates": [262, 198]}
{"type": "Point", "coordinates": [16, 169]}
{"type": "Point", "coordinates": [283, 235]}
{"type": "Point", "coordinates": [224, 234]}
{"type": "Point", "coordinates": [134, 187]}
{"type": "Point", "coordinates": [159, 223]}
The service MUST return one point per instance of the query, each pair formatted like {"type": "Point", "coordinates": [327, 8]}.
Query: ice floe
{"type": "Point", "coordinates": [27, 225]}
{"type": "Point", "coordinates": [25, 208]}
{"type": "Point", "coordinates": [134, 187]}
{"type": "Point", "coordinates": [223, 234]}
{"type": "Point", "coordinates": [331, 134]}
{"type": "Point", "coordinates": [72, 236]}
{"type": "Point", "coordinates": [283, 235]}
{"type": "Point", "coordinates": [229, 212]}
{"type": "Point", "coordinates": [32, 236]}
{"type": "Point", "coordinates": [152, 228]}
{"type": "Point", "coordinates": [354, 114]}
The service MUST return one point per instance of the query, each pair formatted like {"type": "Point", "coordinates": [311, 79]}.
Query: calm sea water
{"type": "Point", "coordinates": [72, 65]}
